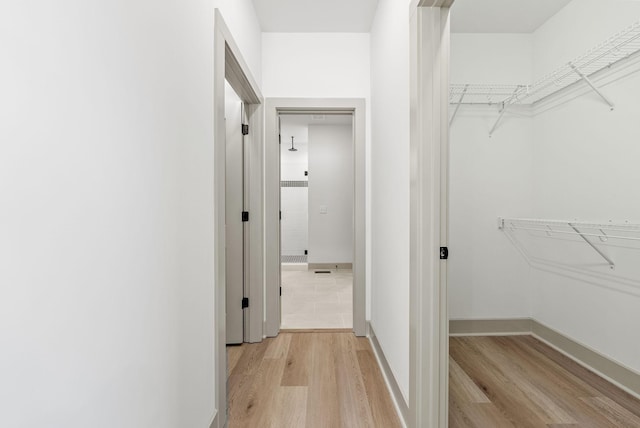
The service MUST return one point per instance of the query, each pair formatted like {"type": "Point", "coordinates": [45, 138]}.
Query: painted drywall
{"type": "Point", "coordinates": [578, 27]}
{"type": "Point", "coordinates": [390, 185]}
{"type": "Point", "coordinates": [330, 194]}
{"type": "Point", "coordinates": [106, 183]}
{"type": "Point", "coordinates": [317, 65]}
{"type": "Point", "coordinates": [242, 20]}
{"type": "Point", "coordinates": [586, 168]}
{"type": "Point", "coordinates": [491, 58]}
{"type": "Point", "coordinates": [489, 177]}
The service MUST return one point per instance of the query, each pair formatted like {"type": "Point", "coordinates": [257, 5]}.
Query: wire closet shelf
{"type": "Point", "coordinates": [587, 231]}
{"type": "Point", "coordinates": [617, 48]}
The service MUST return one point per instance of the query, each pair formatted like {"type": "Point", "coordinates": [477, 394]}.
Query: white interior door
{"type": "Point", "coordinates": [234, 199]}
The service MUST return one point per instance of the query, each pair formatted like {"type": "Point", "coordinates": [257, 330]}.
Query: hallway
{"type": "Point", "coordinates": [321, 379]}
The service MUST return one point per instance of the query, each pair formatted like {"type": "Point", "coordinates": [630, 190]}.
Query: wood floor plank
{"type": "Point", "coordinates": [250, 359]}
{"type": "Point", "coordinates": [323, 406]}
{"type": "Point", "coordinates": [343, 384]}
{"type": "Point", "coordinates": [536, 390]}
{"type": "Point", "coordinates": [290, 407]}
{"type": "Point", "coordinates": [614, 412]}
{"type": "Point", "coordinates": [251, 405]}
{"type": "Point", "coordinates": [477, 415]}
{"type": "Point", "coordinates": [298, 361]}
{"type": "Point", "coordinates": [355, 411]}
{"type": "Point", "coordinates": [278, 346]}
{"type": "Point", "coordinates": [382, 408]}
{"type": "Point", "coordinates": [233, 356]}
{"type": "Point", "coordinates": [530, 384]}
{"type": "Point", "coordinates": [601, 385]}
{"type": "Point", "coordinates": [496, 384]}
{"type": "Point", "coordinates": [462, 387]}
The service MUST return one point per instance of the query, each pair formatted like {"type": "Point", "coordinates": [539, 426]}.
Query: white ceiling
{"type": "Point", "coordinates": [502, 16]}
{"type": "Point", "coordinates": [316, 16]}
{"type": "Point", "coordinates": [356, 16]}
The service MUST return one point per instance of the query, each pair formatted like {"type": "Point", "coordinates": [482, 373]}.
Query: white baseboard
{"type": "Point", "coordinates": [613, 371]}
{"type": "Point", "coordinates": [214, 423]}
{"type": "Point", "coordinates": [394, 389]}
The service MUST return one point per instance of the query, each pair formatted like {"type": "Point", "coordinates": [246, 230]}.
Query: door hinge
{"type": "Point", "coordinates": [444, 253]}
{"type": "Point", "coordinates": [279, 139]}
{"type": "Point", "coordinates": [306, 252]}
{"type": "Point", "coordinates": [306, 173]}
{"type": "Point", "coordinates": [281, 291]}
{"type": "Point", "coordinates": [245, 215]}
{"type": "Point", "coordinates": [245, 302]}
{"type": "Point", "coordinates": [245, 129]}
{"type": "Point", "coordinates": [280, 215]}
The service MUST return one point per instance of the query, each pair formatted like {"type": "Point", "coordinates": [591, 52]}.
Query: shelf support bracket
{"type": "Point", "coordinates": [502, 112]}
{"type": "Point", "coordinates": [594, 87]}
{"type": "Point", "coordinates": [612, 265]}
{"type": "Point", "coordinates": [455, 112]}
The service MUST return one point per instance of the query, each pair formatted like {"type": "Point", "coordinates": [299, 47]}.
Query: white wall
{"type": "Point", "coordinates": [316, 65]}
{"type": "Point", "coordinates": [586, 168]}
{"type": "Point", "coordinates": [491, 58]}
{"type": "Point", "coordinates": [322, 65]}
{"type": "Point", "coordinates": [242, 20]}
{"type": "Point", "coordinates": [390, 185]}
{"type": "Point", "coordinates": [331, 195]}
{"type": "Point", "coordinates": [578, 27]}
{"type": "Point", "coordinates": [489, 177]}
{"type": "Point", "coordinates": [106, 179]}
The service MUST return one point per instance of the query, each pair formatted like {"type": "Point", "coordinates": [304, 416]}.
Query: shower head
{"type": "Point", "coordinates": [292, 149]}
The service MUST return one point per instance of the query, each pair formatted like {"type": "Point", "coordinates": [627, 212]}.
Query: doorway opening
{"type": "Point", "coordinates": [316, 227]}
{"type": "Point", "coordinates": [277, 141]}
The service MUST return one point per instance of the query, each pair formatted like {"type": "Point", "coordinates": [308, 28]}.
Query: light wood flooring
{"type": "Point", "coordinates": [308, 380]}
{"type": "Point", "coordinates": [518, 381]}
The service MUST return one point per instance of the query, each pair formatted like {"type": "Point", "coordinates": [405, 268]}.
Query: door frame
{"type": "Point", "coordinates": [429, 211]}
{"type": "Point", "coordinates": [273, 108]}
{"type": "Point", "coordinates": [228, 64]}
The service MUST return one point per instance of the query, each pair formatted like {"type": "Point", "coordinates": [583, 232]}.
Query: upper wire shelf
{"type": "Point", "coordinates": [590, 232]}
{"type": "Point", "coordinates": [617, 48]}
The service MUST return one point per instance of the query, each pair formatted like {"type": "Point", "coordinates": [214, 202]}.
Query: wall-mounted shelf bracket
{"type": "Point", "coordinates": [459, 103]}
{"type": "Point", "coordinates": [593, 86]}
{"type": "Point", "coordinates": [502, 112]}
{"type": "Point", "coordinates": [495, 125]}
{"type": "Point", "coordinates": [612, 265]}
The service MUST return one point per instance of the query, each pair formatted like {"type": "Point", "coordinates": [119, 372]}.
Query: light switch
{"type": "Point", "coordinates": [323, 209]}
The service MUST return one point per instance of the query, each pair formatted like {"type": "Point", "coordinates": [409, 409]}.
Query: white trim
{"type": "Point", "coordinates": [273, 107]}
{"type": "Point", "coordinates": [230, 65]}
{"type": "Point", "coordinates": [428, 320]}
{"type": "Point", "coordinates": [215, 423]}
{"type": "Point", "coordinates": [392, 385]}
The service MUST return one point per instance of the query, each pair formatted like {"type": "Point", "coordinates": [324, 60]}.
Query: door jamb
{"type": "Point", "coordinates": [273, 106]}
{"type": "Point", "coordinates": [230, 65]}
{"type": "Point", "coordinates": [429, 195]}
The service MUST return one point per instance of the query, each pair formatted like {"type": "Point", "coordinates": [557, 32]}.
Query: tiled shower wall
{"type": "Point", "coordinates": [295, 217]}
{"type": "Point", "coordinates": [294, 194]}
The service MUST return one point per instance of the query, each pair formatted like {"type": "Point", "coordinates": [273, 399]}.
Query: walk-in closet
{"type": "Point", "coordinates": [545, 212]}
